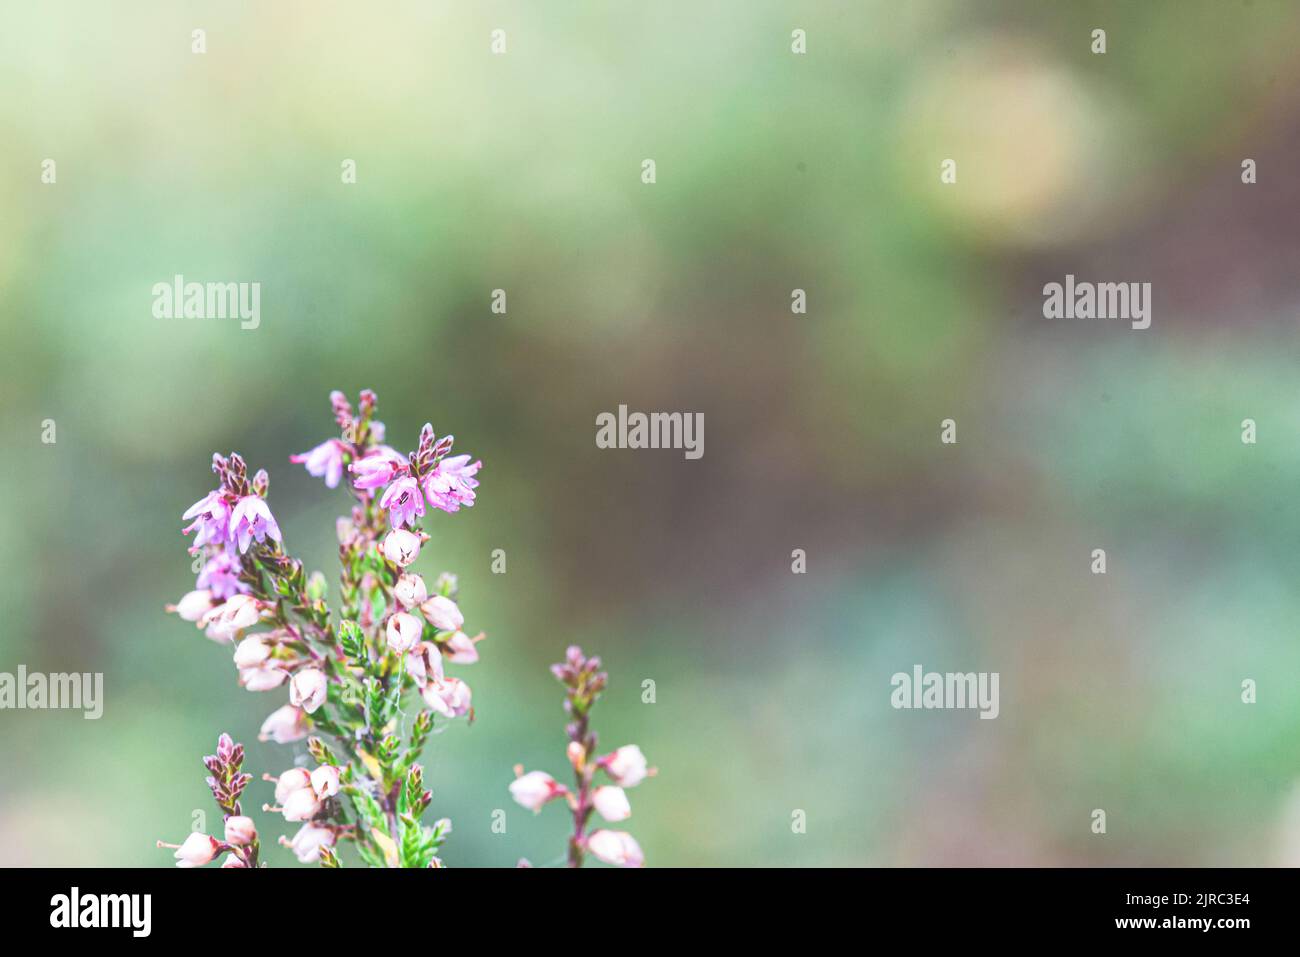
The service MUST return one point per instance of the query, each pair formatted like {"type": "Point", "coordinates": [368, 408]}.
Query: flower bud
{"type": "Point", "coordinates": [240, 830]}
{"type": "Point", "coordinates": [251, 652]}
{"type": "Point", "coordinates": [197, 850]}
{"type": "Point", "coordinates": [461, 650]}
{"type": "Point", "coordinates": [325, 781]}
{"type": "Point", "coordinates": [575, 752]}
{"type": "Point", "coordinates": [307, 689]}
{"type": "Point", "coordinates": [295, 779]}
{"type": "Point", "coordinates": [284, 726]}
{"type": "Point", "coordinates": [626, 766]}
{"type": "Point", "coordinates": [401, 547]}
{"type": "Point", "coordinates": [534, 789]}
{"type": "Point", "coordinates": [616, 847]}
{"type": "Point", "coordinates": [442, 613]}
{"type": "Point", "coordinates": [410, 590]}
{"type": "Point", "coordinates": [611, 802]}
{"type": "Point", "coordinates": [404, 632]}
{"type": "Point", "coordinates": [193, 605]}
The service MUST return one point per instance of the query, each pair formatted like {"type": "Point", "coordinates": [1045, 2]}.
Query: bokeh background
{"type": "Point", "coordinates": [775, 172]}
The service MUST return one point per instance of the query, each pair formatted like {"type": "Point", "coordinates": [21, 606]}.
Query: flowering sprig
{"type": "Point", "coordinates": [227, 781]}
{"type": "Point", "coordinates": [625, 767]}
{"type": "Point", "coordinates": [348, 675]}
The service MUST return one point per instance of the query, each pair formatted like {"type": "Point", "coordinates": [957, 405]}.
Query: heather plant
{"type": "Point", "coordinates": [623, 767]}
{"type": "Point", "coordinates": [351, 673]}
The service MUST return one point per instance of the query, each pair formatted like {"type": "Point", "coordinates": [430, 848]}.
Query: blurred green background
{"type": "Point", "coordinates": [775, 171]}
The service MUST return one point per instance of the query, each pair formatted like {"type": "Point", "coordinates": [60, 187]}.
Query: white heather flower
{"type": "Point", "coordinates": [284, 726]}
{"type": "Point", "coordinates": [197, 850]}
{"type": "Point", "coordinates": [193, 605]}
{"type": "Point", "coordinates": [612, 803]}
{"type": "Point", "coordinates": [404, 632]}
{"type": "Point", "coordinates": [627, 766]}
{"type": "Point", "coordinates": [401, 547]}
{"type": "Point", "coordinates": [300, 805]}
{"type": "Point", "coordinates": [295, 779]}
{"type": "Point", "coordinates": [325, 781]}
{"type": "Point", "coordinates": [251, 652]}
{"type": "Point", "coordinates": [449, 697]}
{"type": "Point", "coordinates": [410, 590]}
{"type": "Point", "coordinates": [443, 613]}
{"type": "Point", "coordinates": [306, 844]}
{"type": "Point", "coordinates": [534, 789]}
{"type": "Point", "coordinates": [262, 678]}
{"type": "Point", "coordinates": [307, 689]}
{"type": "Point", "coordinates": [240, 830]}
{"type": "Point", "coordinates": [424, 663]}
{"type": "Point", "coordinates": [616, 847]}
{"type": "Point", "coordinates": [233, 616]}
{"type": "Point", "coordinates": [461, 650]}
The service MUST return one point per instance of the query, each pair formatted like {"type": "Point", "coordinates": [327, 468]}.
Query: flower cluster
{"type": "Point", "coordinates": [624, 767]}
{"type": "Point", "coordinates": [227, 783]}
{"type": "Point", "coordinates": [348, 673]}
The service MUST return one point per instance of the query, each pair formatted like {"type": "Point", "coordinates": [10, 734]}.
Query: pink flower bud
{"type": "Point", "coordinates": [197, 850]}
{"type": "Point", "coordinates": [575, 752]}
{"type": "Point", "coordinates": [307, 689]}
{"type": "Point", "coordinates": [616, 847]}
{"type": "Point", "coordinates": [404, 632]}
{"type": "Point", "coordinates": [461, 650]}
{"type": "Point", "coordinates": [627, 766]}
{"type": "Point", "coordinates": [410, 590]}
{"type": "Point", "coordinates": [306, 844]}
{"type": "Point", "coordinates": [251, 652]}
{"type": "Point", "coordinates": [262, 678]}
{"type": "Point", "coordinates": [442, 613]}
{"type": "Point", "coordinates": [284, 726]}
{"type": "Point", "coordinates": [232, 861]}
{"type": "Point", "coordinates": [295, 779]}
{"type": "Point", "coordinates": [401, 547]}
{"type": "Point", "coordinates": [325, 781]}
{"type": "Point", "coordinates": [449, 697]}
{"type": "Point", "coordinates": [534, 789]}
{"type": "Point", "coordinates": [424, 663]}
{"type": "Point", "coordinates": [193, 605]}
{"type": "Point", "coordinates": [240, 830]}
{"type": "Point", "coordinates": [300, 805]}
{"type": "Point", "coordinates": [612, 803]}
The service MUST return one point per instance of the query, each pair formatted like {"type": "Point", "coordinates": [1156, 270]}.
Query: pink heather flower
{"type": "Point", "coordinates": [424, 663]}
{"type": "Point", "coordinates": [325, 781]}
{"type": "Point", "coordinates": [306, 844]}
{"type": "Point", "coordinates": [616, 847]}
{"type": "Point", "coordinates": [240, 830]}
{"type": "Point", "coordinates": [404, 632]}
{"type": "Point", "coordinates": [627, 766]}
{"type": "Point", "coordinates": [197, 850]}
{"type": "Point", "coordinates": [295, 779]}
{"type": "Point", "coordinates": [324, 460]}
{"type": "Point", "coordinates": [451, 484]}
{"type": "Point", "coordinates": [404, 502]}
{"type": "Point", "coordinates": [251, 652]}
{"type": "Point", "coordinates": [252, 519]}
{"type": "Point", "coordinates": [611, 802]}
{"type": "Point", "coordinates": [461, 650]}
{"type": "Point", "coordinates": [410, 590]}
{"type": "Point", "coordinates": [284, 726]}
{"type": "Point", "coordinates": [300, 805]}
{"type": "Point", "coordinates": [442, 613]}
{"type": "Point", "coordinates": [211, 516]}
{"type": "Point", "coordinates": [401, 547]}
{"type": "Point", "coordinates": [220, 574]}
{"type": "Point", "coordinates": [232, 861]}
{"type": "Point", "coordinates": [307, 689]}
{"type": "Point", "coordinates": [377, 468]}
{"type": "Point", "coordinates": [193, 605]}
{"type": "Point", "coordinates": [226, 620]}
{"type": "Point", "coordinates": [265, 677]}
{"type": "Point", "coordinates": [449, 697]}
{"type": "Point", "coordinates": [534, 789]}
